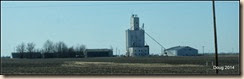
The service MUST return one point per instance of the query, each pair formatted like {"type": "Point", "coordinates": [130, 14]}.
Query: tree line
{"type": "Point", "coordinates": [51, 50]}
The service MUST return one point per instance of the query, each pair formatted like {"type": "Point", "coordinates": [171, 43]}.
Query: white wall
{"type": "Point", "coordinates": [139, 51]}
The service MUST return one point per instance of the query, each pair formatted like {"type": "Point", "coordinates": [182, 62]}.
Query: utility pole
{"type": "Point", "coordinates": [119, 52]}
{"type": "Point", "coordinates": [232, 50]}
{"type": "Point", "coordinates": [203, 50]}
{"type": "Point", "coordinates": [215, 37]}
{"type": "Point", "coordinates": [116, 51]}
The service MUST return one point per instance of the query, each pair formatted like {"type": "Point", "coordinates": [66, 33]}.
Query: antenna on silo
{"type": "Point", "coordinates": [142, 26]}
{"type": "Point", "coordinates": [132, 13]}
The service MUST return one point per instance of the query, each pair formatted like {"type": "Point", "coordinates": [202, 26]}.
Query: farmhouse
{"type": "Point", "coordinates": [181, 51]}
{"type": "Point", "coordinates": [98, 53]}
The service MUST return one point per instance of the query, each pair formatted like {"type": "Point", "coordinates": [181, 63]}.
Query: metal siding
{"type": "Point", "coordinates": [187, 52]}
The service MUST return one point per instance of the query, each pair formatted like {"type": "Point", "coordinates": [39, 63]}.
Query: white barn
{"type": "Point", "coordinates": [182, 51]}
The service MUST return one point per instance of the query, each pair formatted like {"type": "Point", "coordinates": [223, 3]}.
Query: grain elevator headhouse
{"type": "Point", "coordinates": [135, 39]}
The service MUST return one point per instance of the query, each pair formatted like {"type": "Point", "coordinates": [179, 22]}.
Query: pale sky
{"type": "Point", "coordinates": [103, 24]}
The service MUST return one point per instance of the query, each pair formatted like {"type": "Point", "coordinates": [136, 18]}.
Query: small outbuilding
{"type": "Point", "coordinates": [181, 51]}
{"type": "Point", "coordinates": [98, 53]}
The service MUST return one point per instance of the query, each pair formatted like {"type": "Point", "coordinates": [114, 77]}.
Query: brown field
{"type": "Point", "coordinates": [121, 65]}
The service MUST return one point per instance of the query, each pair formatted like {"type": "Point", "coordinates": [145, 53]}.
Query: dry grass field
{"type": "Point", "coordinates": [122, 65]}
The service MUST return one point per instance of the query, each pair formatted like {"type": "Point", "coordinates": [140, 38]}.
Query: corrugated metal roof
{"type": "Point", "coordinates": [177, 47]}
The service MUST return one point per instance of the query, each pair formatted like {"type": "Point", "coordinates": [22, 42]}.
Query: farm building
{"type": "Point", "coordinates": [27, 55]}
{"type": "Point", "coordinates": [135, 39]}
{"type": "Point", "coordinates": [98, 53]}
{"type": "Point", "coordinates": [50, 55]}
{"type": "Point", "coordinates": [182, 51]}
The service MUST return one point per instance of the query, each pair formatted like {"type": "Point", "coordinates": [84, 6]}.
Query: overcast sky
{"type": "Point", "coordinates": [103, 24]}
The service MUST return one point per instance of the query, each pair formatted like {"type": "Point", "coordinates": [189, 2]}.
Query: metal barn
{"type": "Point", "coordinates": [182, 51]}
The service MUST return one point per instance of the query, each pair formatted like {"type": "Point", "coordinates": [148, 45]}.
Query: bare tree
{"type": "Point", "coordinates": [21, 49]}
{"type": "Point", "coordinates": [48, 47]}
{"type": "Point", "coordinates": [71, 49]}
{"type": "Point", "coordinates": [71, 52]}
{"type": "Point", "coordinates": [80, 49]}
{"type": "Point", "coordinates": [30, 47]}
{"type": "Point", "coordinates": [62, 49]}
